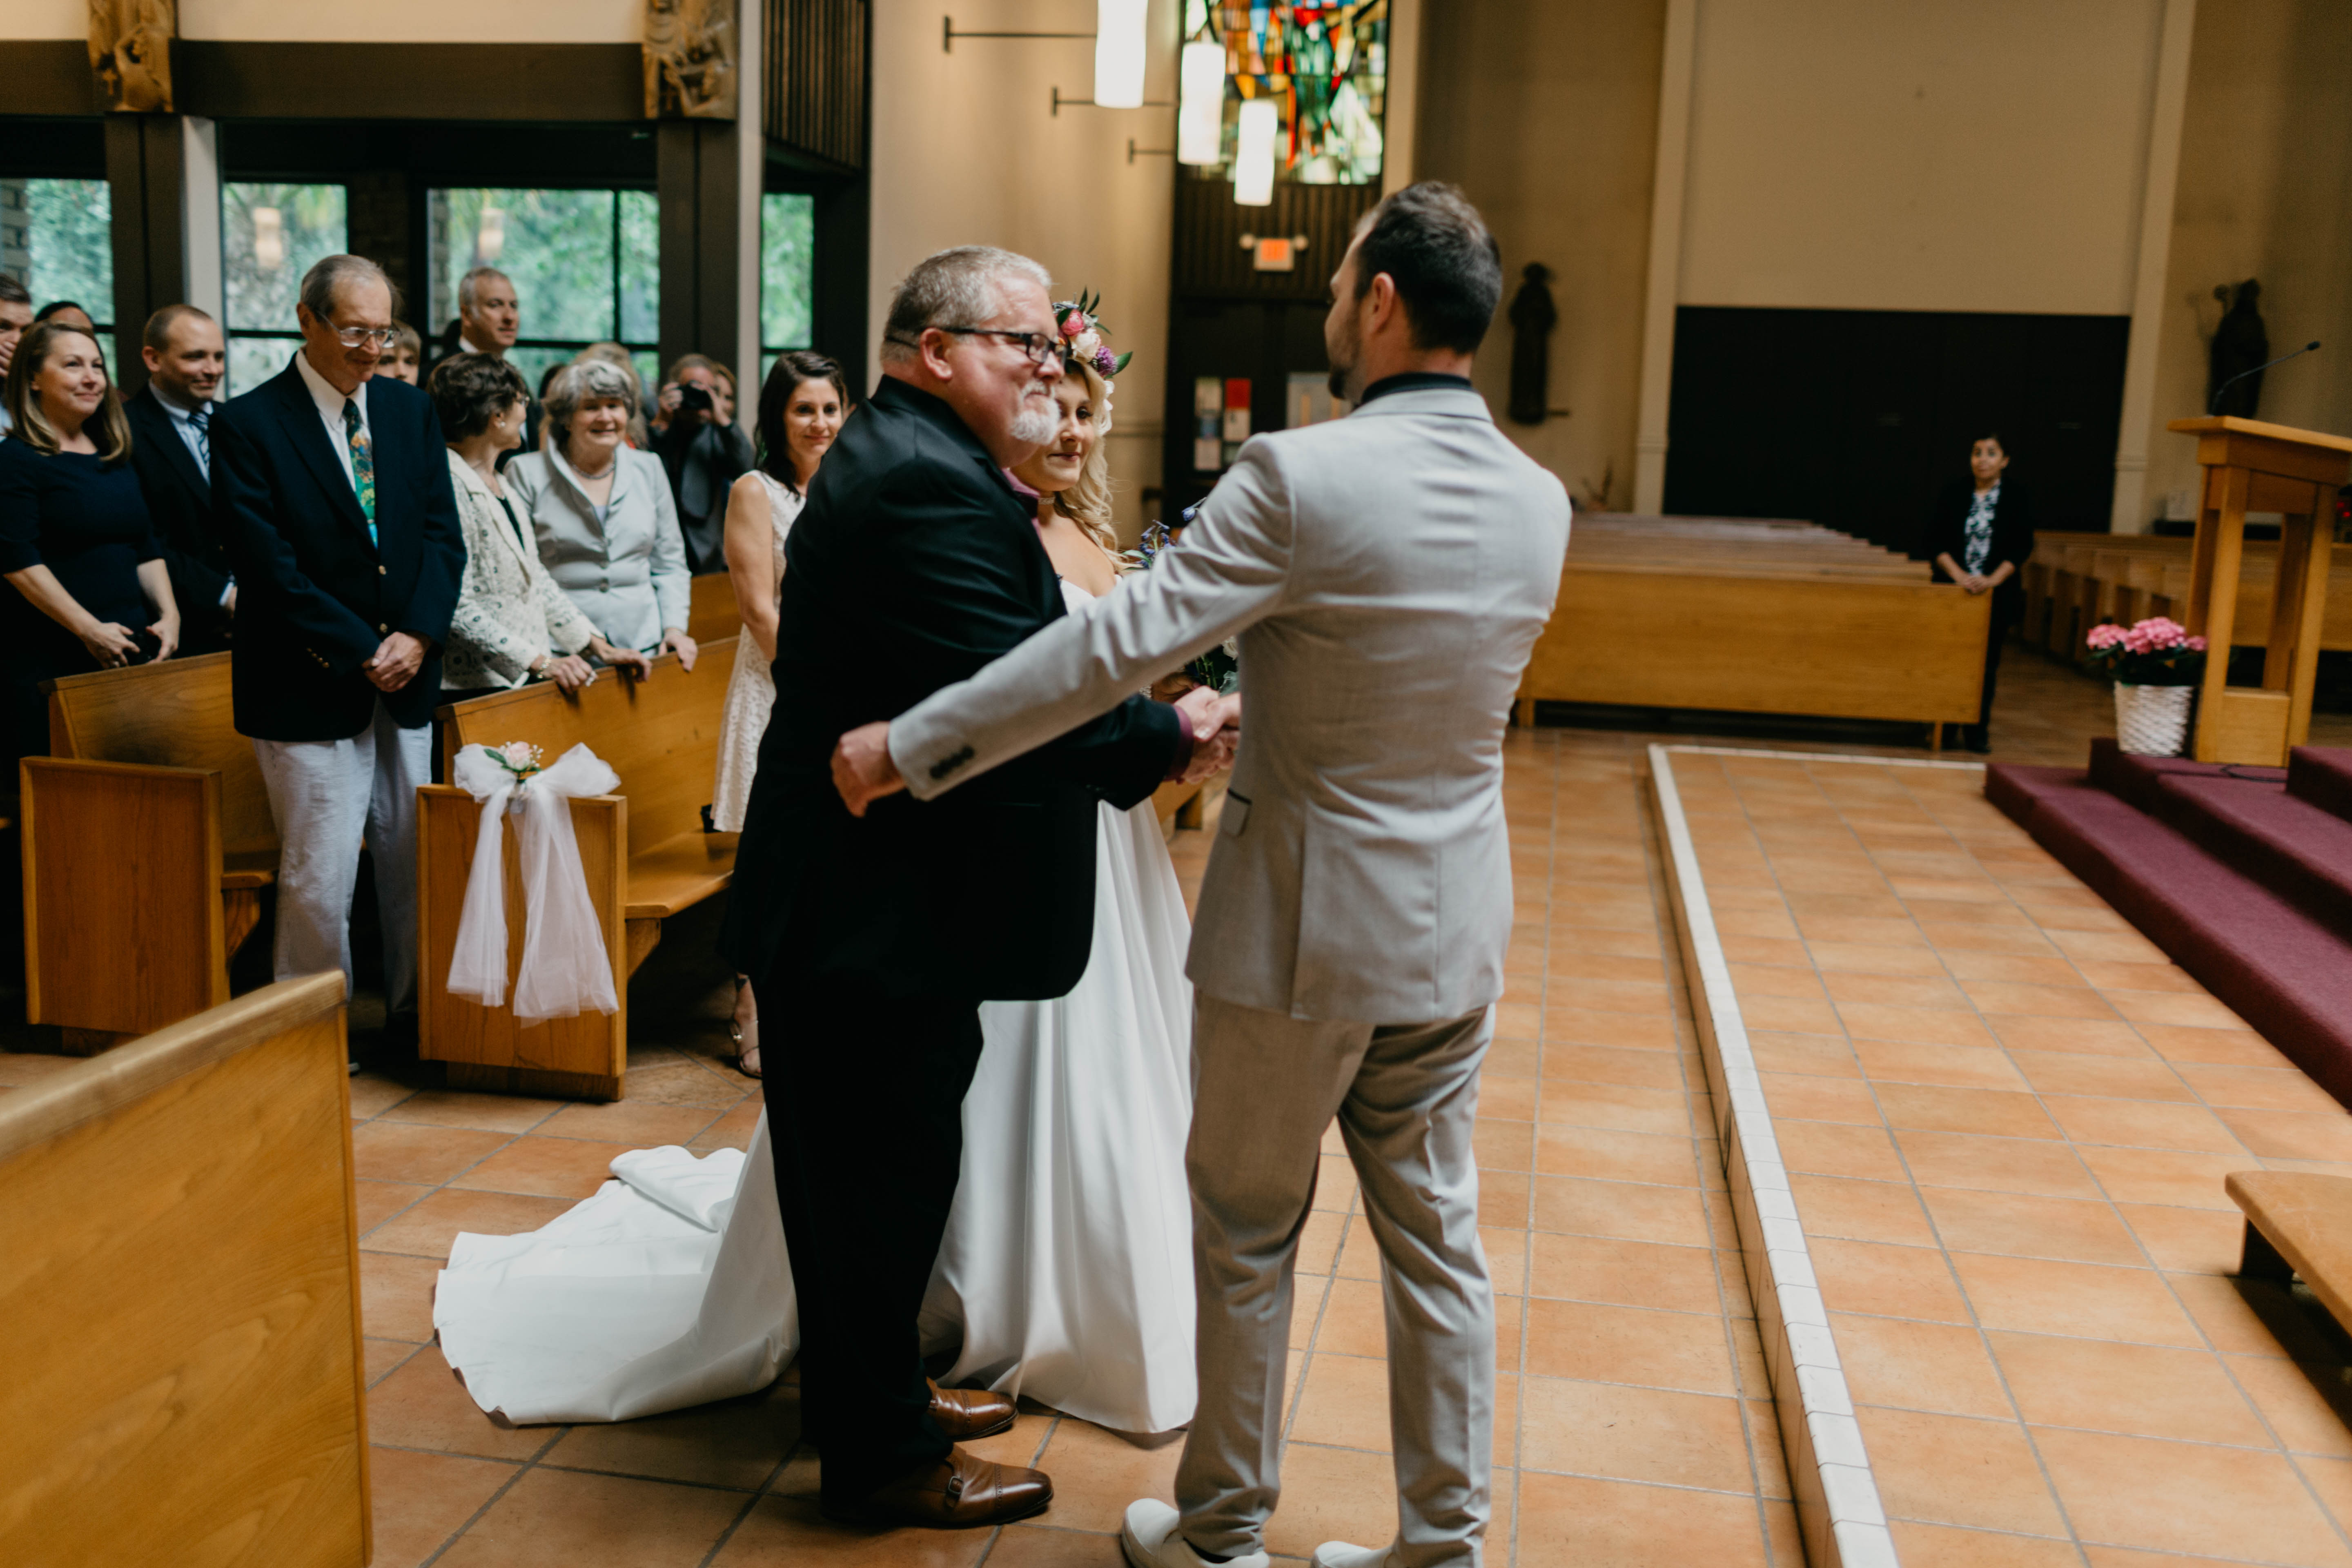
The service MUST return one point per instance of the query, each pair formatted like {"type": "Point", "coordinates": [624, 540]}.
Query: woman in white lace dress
{"type": "Point", "coordinates": [801, 410]}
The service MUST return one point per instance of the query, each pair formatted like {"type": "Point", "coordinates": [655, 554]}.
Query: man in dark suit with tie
{"type": "Point", "coordinates": [332, 491]}
{"type": "Point", "coordinates": [873, 940]}
{"type": "Point", "coordinates": [172, 451]}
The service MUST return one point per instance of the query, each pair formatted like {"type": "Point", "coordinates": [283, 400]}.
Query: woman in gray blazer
{"type": "Point", "coordinates": [512, 624]}
{"type": "Point", "coordinates": [606, 526]}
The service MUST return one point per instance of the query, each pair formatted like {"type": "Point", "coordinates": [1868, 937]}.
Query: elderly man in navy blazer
{"type": "Point", "coordinates": [332, 494]}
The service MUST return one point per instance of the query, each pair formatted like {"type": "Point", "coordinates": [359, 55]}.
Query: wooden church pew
{"type": "Point", "coordinates": [2298, 1223]}
{"type": "Point", "coordinates": [147, 841]}
{"type": "Point", "coordinates": [642, 850]}
{"type": "Point", "coordinates": [713, 614]}
{"type": "Point", "coordinates": [181, 1294]}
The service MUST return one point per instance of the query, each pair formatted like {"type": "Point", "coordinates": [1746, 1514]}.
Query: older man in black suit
{"type": "Point", "coordinates": [171, 450]}
{"type": "Point", "coordinates": [873, 940]}
{"type": "Point", "coordinates": [332, 490]}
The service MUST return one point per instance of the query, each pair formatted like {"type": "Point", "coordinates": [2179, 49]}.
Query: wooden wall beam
{"type": "Point", "coordinates": [144, 172]}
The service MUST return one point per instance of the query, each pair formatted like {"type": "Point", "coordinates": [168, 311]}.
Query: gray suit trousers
{"type": "Point", "coordinates": [1406, 1096]}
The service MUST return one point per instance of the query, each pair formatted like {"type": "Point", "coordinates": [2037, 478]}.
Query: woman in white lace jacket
{"type": "Point", "coordinates": [512, 624]}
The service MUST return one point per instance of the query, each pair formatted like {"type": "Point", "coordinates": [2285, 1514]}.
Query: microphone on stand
{"type": "Point", "coordinates": [2215, 405]}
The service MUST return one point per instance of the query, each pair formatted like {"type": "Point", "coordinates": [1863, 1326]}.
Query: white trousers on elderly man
{"type": "Point", "coordinates": [1265, 1087]}
{"type": "Point", "coordinates": [329, 798]}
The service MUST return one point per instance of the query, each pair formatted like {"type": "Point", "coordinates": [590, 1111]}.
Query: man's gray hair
{"type": "Point", "coordinates": [328, 278]}
{"type": "Point", "coordinates": [578, 382]}
{"type": "Point", "coordinates": [471, 284]}
{"type": "Point", "coordinates": [954, 288]}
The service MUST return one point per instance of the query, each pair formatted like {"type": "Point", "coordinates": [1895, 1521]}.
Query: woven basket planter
{"type": "Point", "coordinates": [2152, 720]}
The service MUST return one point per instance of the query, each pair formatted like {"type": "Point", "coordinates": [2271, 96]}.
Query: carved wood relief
{"type": "Point", "coordinates": [131, 53]}
{"type": "Point", "coordinates": [690, 65]}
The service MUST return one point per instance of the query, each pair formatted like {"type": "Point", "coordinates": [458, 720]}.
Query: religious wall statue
{"type": "Point", "coordinates": [131, 53]}
{"type": "Point", "coordinates": [690, 60]}
{"type": "Point", "coordinates": [2239, 343]}
{"type": "Point", "coordinates": [1532, 319]}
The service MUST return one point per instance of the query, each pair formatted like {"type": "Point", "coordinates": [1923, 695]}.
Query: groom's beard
{"type": "Point", "coordinates": [1039, 419]}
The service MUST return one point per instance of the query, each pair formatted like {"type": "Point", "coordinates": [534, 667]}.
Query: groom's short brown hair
{"type": "Point", "coordinates": [1446, 267]}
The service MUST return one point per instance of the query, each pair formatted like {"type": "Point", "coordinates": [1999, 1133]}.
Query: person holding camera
{"type": "Point", "coordinates": [704, 452]}
{"type": "Point", "coordinates": [76, 540]}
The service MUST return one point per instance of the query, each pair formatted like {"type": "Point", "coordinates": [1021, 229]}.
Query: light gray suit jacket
{"type": "Point", "coordinates": [1388, 574]}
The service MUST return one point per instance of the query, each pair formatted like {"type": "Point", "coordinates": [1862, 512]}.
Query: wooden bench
{"type": "Point", "coordinates": [644, 851]}
{"type": "Point", "coordinates": [1764, 617]}
{"type": "Point", "coordinates": [713, 614]}
{"type": "Point", "coordinates": [185, 1377]}
{"type": "Point", "coordinates": [147, 841]}
{"type": "Point", "coordinates": [2074, 581]}
{"type": "Point", "coordinates": [2298, 1223]}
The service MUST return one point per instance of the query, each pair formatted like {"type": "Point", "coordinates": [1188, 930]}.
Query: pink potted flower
{"type": "Point", "coordinates": [2156, 664]}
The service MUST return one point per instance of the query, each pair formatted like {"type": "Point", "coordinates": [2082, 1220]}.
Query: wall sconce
{"type": "Point", "coordinates": [1118, 53]}
{"type": "Point", "coordinates": [1254, 160]}
{"type": "Point", "coordinates": [1201, 104]}
{"type": "Point", "coordinates": [268, 238]}
{"type": "Point", "coordinates": [490, 238]}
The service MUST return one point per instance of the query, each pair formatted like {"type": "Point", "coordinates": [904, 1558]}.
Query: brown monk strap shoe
{"type": "Point", "coordinates": [959, 1493]}
{"type": "Point", "coordinates": [965, 1413]}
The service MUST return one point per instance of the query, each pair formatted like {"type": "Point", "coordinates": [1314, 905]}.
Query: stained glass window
{"type": "Point", "coordinates": [1325, 65]}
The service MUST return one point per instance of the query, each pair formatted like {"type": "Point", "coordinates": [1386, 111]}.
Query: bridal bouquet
{"type": "Point", "coordinates": [1219, 668]}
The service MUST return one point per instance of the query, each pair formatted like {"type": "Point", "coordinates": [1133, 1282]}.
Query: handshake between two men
{"type": "Point", "coordinates": [864, 773]}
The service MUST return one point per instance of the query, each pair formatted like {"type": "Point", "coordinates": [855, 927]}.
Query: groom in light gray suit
{"type": "Point", "coordinates": [1387, 574]}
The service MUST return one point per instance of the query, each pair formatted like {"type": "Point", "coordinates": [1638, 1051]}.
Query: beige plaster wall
{"type": "Point", "coordinates": [1930, 156]}
{"type": "Point", "coordinates": [1547, 117]}
{"type": "Point", "coordinates": [2265, 192]}
{"type": "Point", "coordinates": [967, 152]}
{"type": "Point", "coordinates": [45, 19]}
{"type": "Point", "coordinates": [410, 21]}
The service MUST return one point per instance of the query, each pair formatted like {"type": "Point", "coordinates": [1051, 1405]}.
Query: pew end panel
{"type": "Point", "coordinates": [714, 613]}
{"type": "Point", "coordinates": [131, 913]}
{"type": "Point", "coordinates": [2298, 1222]}
{"type": "Point", "coordinates": [489, 1048]}
{"type": "Point", "coordinates": [1833, 647]}
{"type": "Point", "coordinates": [182, 1293]}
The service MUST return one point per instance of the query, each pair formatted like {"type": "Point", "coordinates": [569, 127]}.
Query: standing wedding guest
{"type": "Point", "coordinates": [512, 624]}
{"type": "Point", "coordinates": [914, 563]}
{"type": "Point", "coordinates": [15, 315]}
{"type": "Point", "coordinates": [704, 452]}
{"type": "Point", "coordinates": [800, 413]}
{"type": "Point", "coordinates": [606, 528]}
{"type": "Point", "coordinates": [1387, 574]}
{"type": "Point", "coordinates": [489, 313]}
{"type": "Point", "coordinates": [67, 313]}
{"type": "Point", "coordinates": [92, 589]}
{"type": "Point", "coordinates": [618, 356]}
{"type": "Point", "coordinates": [402, 356]}
{"type": "Point", "coordinates": [1980, 535]}
{"type": "Point", "coordinates": [172, 449]}
{"type": "Point", "coordinates": [333, 493]}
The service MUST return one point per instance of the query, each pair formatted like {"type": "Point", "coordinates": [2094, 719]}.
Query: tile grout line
{"type": "Point", "coordinates": [1849, 1490]}
{"type": "Point", "coordinates": [490, 1502]}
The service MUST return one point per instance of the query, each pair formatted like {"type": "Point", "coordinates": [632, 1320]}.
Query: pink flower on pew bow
{"type": "Point", "coordinates": [517, 757]}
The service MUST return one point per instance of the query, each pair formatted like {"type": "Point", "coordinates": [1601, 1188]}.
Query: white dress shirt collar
{"type": "Point", "coordinates": [323, 392]}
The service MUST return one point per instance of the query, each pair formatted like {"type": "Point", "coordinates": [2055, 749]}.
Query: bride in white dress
{"type": "Point", "coordinates": [1066, 1273]}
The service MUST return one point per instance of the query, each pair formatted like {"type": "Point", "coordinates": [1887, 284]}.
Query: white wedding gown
{"type": "Point", "coordinates": [1066, 1273]}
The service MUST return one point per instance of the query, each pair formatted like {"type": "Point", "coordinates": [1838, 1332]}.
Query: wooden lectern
{"type": "Point", "coordinates": [2253, 467]}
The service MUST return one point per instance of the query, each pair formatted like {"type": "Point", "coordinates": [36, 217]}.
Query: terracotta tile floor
{"type": "Point", "coordinates": [1634, 1425]}
{"type": "Point", "coordinates": [2007, 1120]}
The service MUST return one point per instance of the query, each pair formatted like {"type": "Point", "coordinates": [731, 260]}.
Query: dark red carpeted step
{"type": "Point", "coordinates": [2322, 775]}
{"type": "Point", "coordinates": [2288, 845]}
{"type": "Point", "coordinates": [2137, 779]}
{"type": "Point", "coordinates": [2279, 969]}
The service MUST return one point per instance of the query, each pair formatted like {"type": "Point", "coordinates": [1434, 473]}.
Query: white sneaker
{"type": "Point", "coordinates": [1147, 1535]}
{"type": "Point", "coordinates": [1339, 1555]}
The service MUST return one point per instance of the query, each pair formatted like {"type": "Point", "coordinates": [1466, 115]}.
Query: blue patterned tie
{"type": "Point", "coordinates": [199, 421]}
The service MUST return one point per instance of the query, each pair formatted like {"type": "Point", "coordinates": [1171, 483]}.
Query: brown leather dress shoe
{"type": "Point", "coordinates": [959, 1493]}
{"type": "Point", "coordinates": [966, 1413]}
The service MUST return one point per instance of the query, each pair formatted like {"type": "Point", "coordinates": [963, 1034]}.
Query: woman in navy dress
{"type": "Point", "coordinates": [91, 590]}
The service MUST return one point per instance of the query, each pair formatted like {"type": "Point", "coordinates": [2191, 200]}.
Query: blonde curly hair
{"type": "Point", "coordinates": [1087, 502]}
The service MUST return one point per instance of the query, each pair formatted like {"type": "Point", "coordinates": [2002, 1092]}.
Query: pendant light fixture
{"type": "Point", "coordinates": [1120, 40]}
{"type": "Point", "coordinates": [1201, 104]}
{"type": "Point", "coordinates": [1254, 160]}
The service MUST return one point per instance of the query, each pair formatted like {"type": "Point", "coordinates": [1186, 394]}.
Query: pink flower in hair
{"type": "Point", "coordinates": [1073, 324]}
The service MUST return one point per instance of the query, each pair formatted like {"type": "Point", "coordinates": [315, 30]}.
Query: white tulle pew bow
{"type": "Point", "coordinates": [566, 968]}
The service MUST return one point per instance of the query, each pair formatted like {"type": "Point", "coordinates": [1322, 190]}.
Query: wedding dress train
{"type": "Point", "coordinates": [1066, 1273]}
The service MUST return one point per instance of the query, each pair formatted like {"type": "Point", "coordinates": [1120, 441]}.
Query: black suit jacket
{"type": "Point", "coordinates": [180, 500]}
{"type": "Point", "coordinates": [2013, 539]}
{"type": "Point", "coordinates": [914, 565]}
{"type": "Point", "coordinates": [315, 598]}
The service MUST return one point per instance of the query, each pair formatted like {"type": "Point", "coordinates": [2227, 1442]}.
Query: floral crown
{"type": "Point", "coordinates": [1082, 336]}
